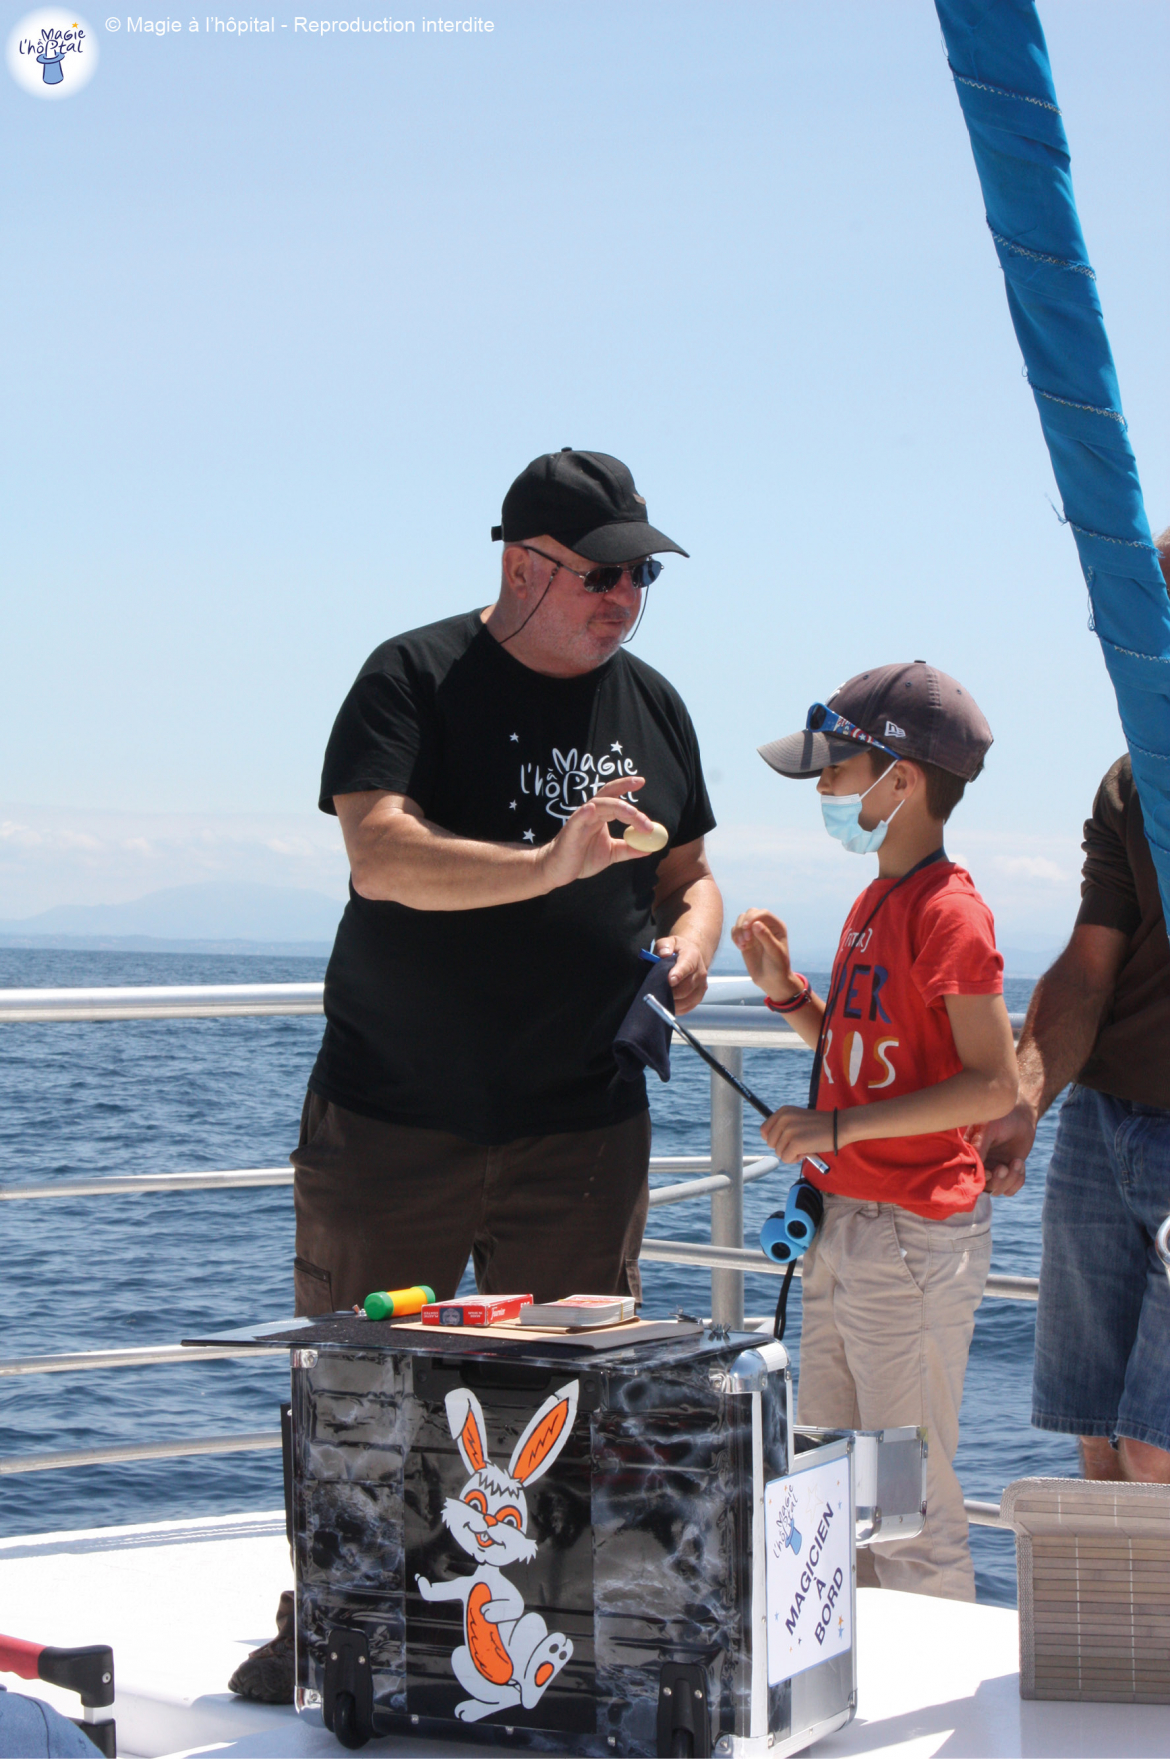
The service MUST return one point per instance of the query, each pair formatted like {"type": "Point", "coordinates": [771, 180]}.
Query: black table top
{"type": "Point", "coordinates": [349, 1331]}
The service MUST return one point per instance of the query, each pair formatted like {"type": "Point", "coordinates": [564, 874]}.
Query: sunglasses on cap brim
{"type": "Point", "coordinates": [825, 720]}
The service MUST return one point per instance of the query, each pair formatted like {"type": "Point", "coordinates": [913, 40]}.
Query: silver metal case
{"type": "Point", "coordinates": [822, 1696]}
{"type": "Point", "coordinates": [889, 1470]}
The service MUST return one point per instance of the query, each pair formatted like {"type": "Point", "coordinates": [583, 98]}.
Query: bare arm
{"type": "Point", "coordinates": [763, 940]}
{"type": "Point", "coordinates": [983, 1088]}
{"type": "Point", "coordinates": [689, 909]}
{"type": "Point", "coordinates": [398, 856]}
{"type": "Point", "coordinates": [1065, 1014]}
{"type": "Point", "coordinates": [1064, 1017]}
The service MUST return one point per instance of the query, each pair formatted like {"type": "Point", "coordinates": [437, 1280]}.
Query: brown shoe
{"type": "Point", "coordinates": [268, 1674]}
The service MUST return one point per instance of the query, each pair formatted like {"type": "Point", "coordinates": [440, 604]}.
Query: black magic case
{"type": "Point", "coordinates": [559, 1543]}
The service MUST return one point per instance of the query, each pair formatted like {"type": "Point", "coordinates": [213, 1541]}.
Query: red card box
{"type": "Point", "coordinates": [475, 1310]}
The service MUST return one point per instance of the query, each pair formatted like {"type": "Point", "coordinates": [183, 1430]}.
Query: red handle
{"type": "Point", "coordinates": [19, 1657]}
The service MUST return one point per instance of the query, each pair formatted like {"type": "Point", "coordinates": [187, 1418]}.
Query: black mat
{"type": "Point", "coordinates": [350, 1332]}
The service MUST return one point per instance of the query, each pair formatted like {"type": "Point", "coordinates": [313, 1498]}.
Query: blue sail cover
{"type": "Point", "coordinates": [999, 60]}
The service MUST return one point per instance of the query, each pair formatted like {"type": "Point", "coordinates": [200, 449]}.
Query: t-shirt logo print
{"type": "Point", "coordinates": [570, 780]}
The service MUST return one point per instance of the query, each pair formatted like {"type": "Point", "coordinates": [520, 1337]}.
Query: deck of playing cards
{"type": "Point", "coordinates": [581, 1311]}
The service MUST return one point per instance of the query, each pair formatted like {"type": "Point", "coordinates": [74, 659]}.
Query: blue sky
{"type": "Point", "coordinates": [285, 314]}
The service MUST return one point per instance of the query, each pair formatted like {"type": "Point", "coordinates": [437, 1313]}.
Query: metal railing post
{"type": "Point", "coordinates": [727, 1205]}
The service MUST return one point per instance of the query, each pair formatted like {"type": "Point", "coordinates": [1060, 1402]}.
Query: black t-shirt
{"type": "Point", "coordinates": [499, 1022]}
{"type": "Point", "coordinates": [1119, 889]}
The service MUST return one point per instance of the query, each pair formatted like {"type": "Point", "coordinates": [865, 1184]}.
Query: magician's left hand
{"type": "Point", "coordinates": [688, 977]}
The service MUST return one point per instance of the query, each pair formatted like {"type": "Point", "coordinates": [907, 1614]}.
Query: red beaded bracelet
{"type": "Point", "coordinates": [793, 1002]}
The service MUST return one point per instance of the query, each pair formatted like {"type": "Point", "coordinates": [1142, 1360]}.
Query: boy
{"type": "Point", "coordinates": [914, 1047]}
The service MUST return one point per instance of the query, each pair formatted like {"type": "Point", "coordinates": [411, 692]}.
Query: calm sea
{"type": "Point", "coordinates": [174, 1096]}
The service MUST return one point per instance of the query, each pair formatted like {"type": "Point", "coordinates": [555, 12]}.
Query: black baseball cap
{"type": "Point", "coordinates": [586, 501]}
{"type": "Point", "coordinates": [911, 710]}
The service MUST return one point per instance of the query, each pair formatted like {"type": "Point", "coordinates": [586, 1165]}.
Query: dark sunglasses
{"type": "Point", "coordinates": [826, 720]}
{"type": "Point", "coordinates": [642, 573]}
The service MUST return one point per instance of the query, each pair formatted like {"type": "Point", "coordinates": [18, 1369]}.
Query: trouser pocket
{"type": "Point", "coordinates": [313, 1288]}
{"type": "Point", "coordinates": [938, 1254]}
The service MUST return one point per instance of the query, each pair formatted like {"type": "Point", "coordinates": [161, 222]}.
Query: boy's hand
{"type": "Point", "coordinates": [794, 1132]}
{"type": "Point", "coordinates": [763, 940]}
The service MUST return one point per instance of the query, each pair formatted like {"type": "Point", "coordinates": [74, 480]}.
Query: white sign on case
{"type": "Point", "coordinates": [806, 1520]}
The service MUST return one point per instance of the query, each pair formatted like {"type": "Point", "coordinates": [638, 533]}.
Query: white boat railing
{"type": "Point", "coordinates": [730, 1021]}
{"type": "Point", "coordinates": [73, 1458]}
{"type": "Point", "coordinates": [172, 1002]}
{"type": "Point", "coordinates": [136, 1184]}
{"type": "Point", "coordinates": [207, 1001]}
{"type": "Point", "coordinates": [139, 1356]}
{"type": "Point", "coordinates": [240, 1000]}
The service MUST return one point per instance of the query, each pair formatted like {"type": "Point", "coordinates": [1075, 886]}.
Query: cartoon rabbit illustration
{"type": "Point", "coordinates": [508, 1656]}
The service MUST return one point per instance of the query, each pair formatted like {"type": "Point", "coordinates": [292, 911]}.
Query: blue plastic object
{"type": "Point", "coordinates": [789, 1232]}
{"type": "Point", "coordinates": [999, 60]}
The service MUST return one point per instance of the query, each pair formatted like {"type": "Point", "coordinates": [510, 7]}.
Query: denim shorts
{"type": "Point", "coordinates": [1103, 1322]}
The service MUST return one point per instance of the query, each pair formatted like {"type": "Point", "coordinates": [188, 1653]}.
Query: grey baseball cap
{"type": "Point", "coordinates": [910, 710]}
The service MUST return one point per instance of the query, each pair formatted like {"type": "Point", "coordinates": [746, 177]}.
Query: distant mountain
{"type": "Point", "coordinates": [227, 917]}
{"type": "Point", "coordinates": [214, 911]}
{"type": "Point", "coordinates": [1030, 961]}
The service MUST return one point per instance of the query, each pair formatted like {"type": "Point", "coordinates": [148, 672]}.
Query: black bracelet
{"type": "Point", "coordinates": [834, 1129]}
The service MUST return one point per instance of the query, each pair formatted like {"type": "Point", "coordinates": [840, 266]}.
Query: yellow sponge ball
{"type": "Point", "coordinates": [647, 842]}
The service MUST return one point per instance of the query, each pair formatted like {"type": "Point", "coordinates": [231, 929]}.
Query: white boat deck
{"type": "Point", "coordinates": [182, 1602]}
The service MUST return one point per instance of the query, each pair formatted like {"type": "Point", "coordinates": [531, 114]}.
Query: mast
{"type": "Point", "coordinates": [999, 59]}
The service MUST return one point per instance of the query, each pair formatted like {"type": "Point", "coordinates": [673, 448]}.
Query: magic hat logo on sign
{"type": "Point", "coordinates": [52, 53]}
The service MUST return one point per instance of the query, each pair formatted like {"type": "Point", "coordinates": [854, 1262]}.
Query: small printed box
{"type": "Point", "coordinates": [475, 1310]}
{"type": "Point", "coordinates": [1093, 1558]}
{"type": "Point", "coordinates": [581, 1311]}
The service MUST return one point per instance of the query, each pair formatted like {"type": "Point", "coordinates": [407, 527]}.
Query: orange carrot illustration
{"type": "Point", "coordinates": [487, 1651]}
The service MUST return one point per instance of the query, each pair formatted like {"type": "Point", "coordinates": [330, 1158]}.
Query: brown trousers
{"type": "Point", "coordinates": [383, 1206]}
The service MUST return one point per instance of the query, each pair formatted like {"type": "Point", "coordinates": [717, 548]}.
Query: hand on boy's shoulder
{"type": "Point", "coordinates": [763, 940]}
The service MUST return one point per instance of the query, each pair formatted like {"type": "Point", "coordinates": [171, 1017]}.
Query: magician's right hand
{"type": "Point", "coordinates": [584, 846]}
{"type": "Point", "coordinates": [1004, 1146]}
{"type": "Point", "coordinates": [763, 940]}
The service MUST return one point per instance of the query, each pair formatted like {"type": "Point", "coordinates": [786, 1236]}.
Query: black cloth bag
{"type": "Point", "coordinates": [643, 1039]}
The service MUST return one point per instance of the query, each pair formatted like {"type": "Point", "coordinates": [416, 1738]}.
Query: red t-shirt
{"type": "Point", "coordinates": [889, 1033]}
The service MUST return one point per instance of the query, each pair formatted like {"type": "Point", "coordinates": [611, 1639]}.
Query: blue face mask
{"type": "Point", "coordinates": [842, 816]}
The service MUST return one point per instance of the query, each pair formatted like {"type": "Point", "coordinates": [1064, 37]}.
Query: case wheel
{"type": "Point", "coordinates": [684, 1715]}
{"type": "Point", "coordinates": [345, 1721]}
{"type": "Point", "coordinates": [347, 1701]}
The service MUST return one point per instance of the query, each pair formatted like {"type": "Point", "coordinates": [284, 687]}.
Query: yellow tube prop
{"type": "Point", "coordinates": [397, 1303]}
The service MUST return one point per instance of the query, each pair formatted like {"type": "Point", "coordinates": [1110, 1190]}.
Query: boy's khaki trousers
{"type": "Point", "coordinates": [888, 1307]}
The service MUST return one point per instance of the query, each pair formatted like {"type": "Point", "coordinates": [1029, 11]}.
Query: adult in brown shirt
{"type": "Point", "coordinates": [1100, 1018]}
